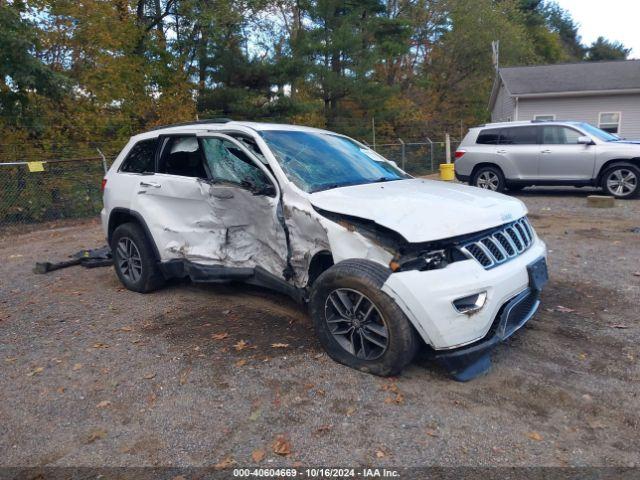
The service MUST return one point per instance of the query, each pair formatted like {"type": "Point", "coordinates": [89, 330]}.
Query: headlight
{"type": "Point", "coordinates": [428, 260]}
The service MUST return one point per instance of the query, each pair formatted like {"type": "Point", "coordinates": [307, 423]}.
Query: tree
{"type": "Point", "coordinates": [603, 49]}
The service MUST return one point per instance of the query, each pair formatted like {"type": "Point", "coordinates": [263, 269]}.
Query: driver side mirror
{"type": "Point", "coordinates": [584, 140]}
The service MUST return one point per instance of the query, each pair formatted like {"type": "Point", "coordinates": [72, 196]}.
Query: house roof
{"type": "Point", "coordinates": [569, 78]}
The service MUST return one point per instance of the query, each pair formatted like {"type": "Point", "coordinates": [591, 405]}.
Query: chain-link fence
{"type": "Point", "coordinates": [39, 191]}
{"type": "Point", "coordinates": [32, 192]}
{"type": "Point", "coordinates": [416, 158]}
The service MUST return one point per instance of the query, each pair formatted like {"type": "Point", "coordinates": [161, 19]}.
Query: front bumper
{"type": "Point", "coordinates": [467, 362]}
{"type": "Point", "coordinates": [427, 297]}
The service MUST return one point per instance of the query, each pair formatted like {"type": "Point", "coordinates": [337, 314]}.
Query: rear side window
{"type": "Point", "coordinates": [489, 136]}
{"type": "Point", "coordinates": [519, 136]}
{"type": "Point", "coordinates": [141, 157]}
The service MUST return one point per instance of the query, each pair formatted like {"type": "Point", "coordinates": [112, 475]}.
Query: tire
{"type": "Point", "coordinates": [622, 180]}
{"type": "Point", "coordinates": [129, 242]}
{"type": "Point", "coordinates": [346, 283]}
{"type": "Point", "coordinates": [489, 178]}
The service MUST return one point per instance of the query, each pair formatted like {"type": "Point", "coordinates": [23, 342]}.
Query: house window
{"type": "Point", "coordinates": [609, 121]}
{"type": "Point", "coordinates": [544, 118]}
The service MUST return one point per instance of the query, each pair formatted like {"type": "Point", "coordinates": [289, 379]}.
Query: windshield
{"type": "Point", "coordinates": [320, 161]}
{"type": "Point", "coordinates": [599, 134]}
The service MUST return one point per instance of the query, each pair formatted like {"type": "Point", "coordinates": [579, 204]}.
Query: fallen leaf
{"type": "Point", "coordinates": [184, 376]}
{"type": "Point", "coordinates": [324, 428]}
{"type": "Point", "coordinates": [9, 360]}
{"type": "Point", "coordinates": [535, 436]}
{"type": "Point", "coordinates": [100, 345]}
{"type": "Point", "coordinates": [350, 411]}
{"type": "Point", "coordinates": [149, 376]}
{"type": "Point", "coordinates": [255, 414]}
{"type": "Point", "coordinates": [582, 356]}
{"type": "Point", "coordinates": [279, 345]}
{"type": "Point", "coordinates": [281, 446]}
{"type": "Point", "coordinates": [380, 454]}
{"type": "Point", "coordinates": [77, 366]}
{"type": "Point", "coordinates": [562, 309]}
{"type": "Point", "coordinates": [219, 336]}
{"type": "Point", "coordinates": [126, 329]}
{"type": "Point", "coordinates": [258, 455]}
{"type": "Point", "coordinates": [96, 434]}
{"type": "Point", "coordinates": [241, 345]}
{"type": "Point", "coordinates": [103, 404]}
{"type": "Point", "coordinates": [35, 371]}
{"type": "Point", "coordinates": [240, 363]}
{"type": "Point", "coordinates": [225, 463]}
{"type": "Point", "coordinates": [432, 433]}
{"type": "Point", "coordinates": [398, 399]}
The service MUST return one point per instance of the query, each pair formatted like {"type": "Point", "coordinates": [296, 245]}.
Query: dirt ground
{"type": "Point", "coordinates": [94, 375]}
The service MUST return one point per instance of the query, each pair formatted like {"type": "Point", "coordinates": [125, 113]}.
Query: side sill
{"type": "Point", "coordinates": [220, 274]}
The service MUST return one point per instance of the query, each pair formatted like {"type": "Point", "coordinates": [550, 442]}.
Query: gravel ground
{"type": "Point", "coordinates": [94, 375]}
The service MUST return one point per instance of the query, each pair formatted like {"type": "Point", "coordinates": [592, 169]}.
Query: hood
{"type": "Point", "coordinates": [422, 210]}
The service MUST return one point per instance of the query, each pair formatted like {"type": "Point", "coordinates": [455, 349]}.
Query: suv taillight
{"type": "Point", "coordinates": [104, 184]}
{"type": "Point", "coordinates": [460, 153]}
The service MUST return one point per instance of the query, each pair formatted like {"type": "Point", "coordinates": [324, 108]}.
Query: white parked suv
{"type": "Point", "coordinates": [386, 262]}
{"type": "Point", "coordinates": [514, 155]}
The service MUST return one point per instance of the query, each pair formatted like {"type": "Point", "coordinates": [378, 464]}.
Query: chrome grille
{"type": "Point", "coordinates": [501, 245]}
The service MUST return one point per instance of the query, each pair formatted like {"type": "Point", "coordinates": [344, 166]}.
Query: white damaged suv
{"type": "Point", "coordinates": [386, 262]}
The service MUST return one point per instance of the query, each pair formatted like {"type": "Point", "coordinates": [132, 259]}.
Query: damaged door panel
{"type": "Point", "coordinates": [201, 207]}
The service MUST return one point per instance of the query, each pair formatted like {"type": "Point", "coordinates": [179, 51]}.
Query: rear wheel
{"type": "Point", "coordinates": [622, 181]}
{"type": "Point", "coordinates": [133, 259]}
{"type": "Point", "coordinates": [489, 178]}
{"type": "Point", "coordinates": [359, 325]}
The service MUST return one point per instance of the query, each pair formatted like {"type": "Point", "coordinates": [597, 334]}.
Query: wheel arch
{"type": "Point", "coordinates": [486, 164]}
{"type": "Point", "coordinates": [119, 216]}
{"type": "Point", "coordinates": [320, 262]}
{"type": "Point", "coordinates": [610, 163]}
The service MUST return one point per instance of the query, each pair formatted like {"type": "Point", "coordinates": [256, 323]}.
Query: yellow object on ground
{"type": "Point", "coordinates": [447, 172]}
{"type": "Point", "coordinates": [35, 166]}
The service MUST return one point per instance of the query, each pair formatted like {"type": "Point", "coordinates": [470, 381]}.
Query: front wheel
{"type": "Point", "coordinates": [489, 178]}
{"type": "Point", "coordinates": [622, 181]}
{"type": "Point", "coordinates": [359, 325]}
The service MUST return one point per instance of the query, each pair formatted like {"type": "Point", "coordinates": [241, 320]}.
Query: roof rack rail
{"type": "Point", "coordinates": [194, 122]}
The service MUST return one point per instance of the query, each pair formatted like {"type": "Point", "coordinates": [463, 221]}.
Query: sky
{"type": "Point", "coordinates": [613, 19]}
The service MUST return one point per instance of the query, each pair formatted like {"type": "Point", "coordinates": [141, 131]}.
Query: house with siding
{"type": "Point", "coordinates": [605, 94]}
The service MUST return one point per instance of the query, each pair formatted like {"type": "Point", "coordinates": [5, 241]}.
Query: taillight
{"type": "Point", "coordinates": [104, 184]}
{"type": "Point", "coordinates": [460, 153]}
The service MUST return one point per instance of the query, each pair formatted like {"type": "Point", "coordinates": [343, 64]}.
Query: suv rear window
{"type": "Point", "coordinates": [519, 136]}
{"type": "Point", "coordinates": [508, 136]}
{"type": "Point", "coordinates": [489, 136]}
{"type": "Point", "coordinates": [141, 157]}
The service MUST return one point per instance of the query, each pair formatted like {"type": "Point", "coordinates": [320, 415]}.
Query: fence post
{"type": "Point", "coordinates": [430, 152]}
{"type": "Point", "coordinates": [104, 160]}
{"type": "Point", "coordinates": [403, 152]}
{"type": "Point", "coordinates": [373, 131]}
{"type": "Point", "coordinates": [447, 145]}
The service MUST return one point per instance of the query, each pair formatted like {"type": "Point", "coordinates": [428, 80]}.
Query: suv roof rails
{"type": "Point", "coordinates": [194, 122]}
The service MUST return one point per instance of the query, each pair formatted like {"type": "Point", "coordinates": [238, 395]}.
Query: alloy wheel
{"type": "Point", "coordinates": [129, 259]}
{"type": "Point", "coordinates": [488, 180]}
{"type": "Point", "coordinates": [622, 182]}
{"type": "Point", "coordinates": [356, 324]}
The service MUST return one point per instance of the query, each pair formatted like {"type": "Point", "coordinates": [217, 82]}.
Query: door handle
{"type": "Point", "coordinates": [501, 151]}
{"type": "Point", "coordinates": [545, 151]}
{"type": "Point", "coordinates": [150, 184]}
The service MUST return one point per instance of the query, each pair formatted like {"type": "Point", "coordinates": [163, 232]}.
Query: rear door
{"type": "Point", "coordinates": [520, 152]}
{"type": "Point", "coordinates": [562, 157]}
